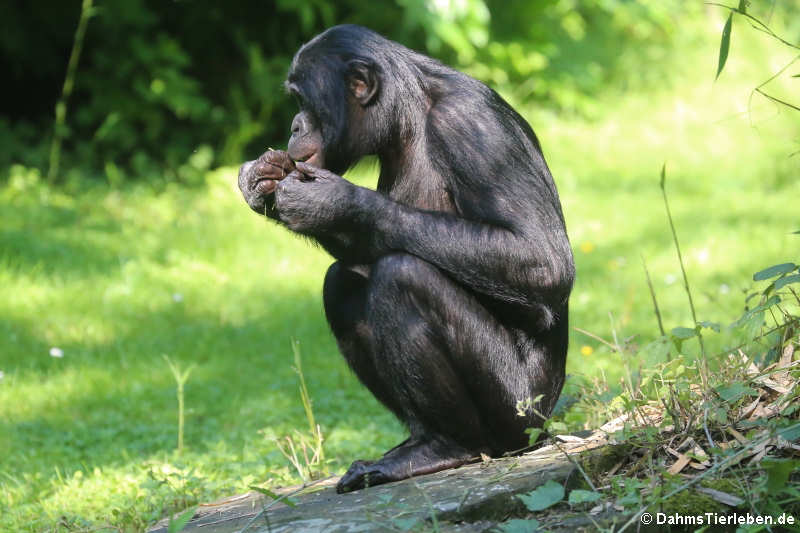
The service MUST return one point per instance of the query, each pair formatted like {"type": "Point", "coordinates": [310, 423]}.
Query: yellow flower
{"type": "Point", "coordinates": [586, 350]}
{"type": "Point", "coordinates": [587, 247]}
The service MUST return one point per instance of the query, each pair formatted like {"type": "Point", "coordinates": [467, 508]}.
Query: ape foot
{"type": "Point", "coordinates": [404, 461]}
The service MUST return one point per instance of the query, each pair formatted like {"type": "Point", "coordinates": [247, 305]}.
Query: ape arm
{"type": "Point", "coordinates": [508, 239]}
{"type": "Point", "coordinates": [521, 264]}
{"type": "Point", "coordinates": [506, 264]}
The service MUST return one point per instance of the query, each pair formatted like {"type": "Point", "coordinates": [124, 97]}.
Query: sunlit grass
{"type": "Point", "coordinates": [118, 279]}
{"type": "Point", "coordinates": [731, 178]}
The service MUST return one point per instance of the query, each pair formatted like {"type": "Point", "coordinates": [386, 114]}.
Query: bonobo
{"type": "Point", "coordinates": [448, 296]}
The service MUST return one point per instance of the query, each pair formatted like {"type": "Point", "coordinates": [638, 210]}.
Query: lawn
{"type": "Point", "coordinates": [99, 284]}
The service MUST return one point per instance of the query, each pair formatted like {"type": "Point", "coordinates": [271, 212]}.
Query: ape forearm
{"type": "Point", "coordinates": [495, 261]}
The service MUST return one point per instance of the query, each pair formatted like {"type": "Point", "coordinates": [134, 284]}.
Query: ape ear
{"type": "Point", "coordinates": [362, 81]}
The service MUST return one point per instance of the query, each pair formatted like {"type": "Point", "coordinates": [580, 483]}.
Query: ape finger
{"type": "Point", "coordinates": [308, 171]}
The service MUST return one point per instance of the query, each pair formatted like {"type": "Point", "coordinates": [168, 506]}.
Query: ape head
{"type": "Point", "coordinates": [344, 113]}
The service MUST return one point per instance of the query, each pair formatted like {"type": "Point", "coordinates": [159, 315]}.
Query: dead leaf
{"type": "Point", "coordinates": [678, 465]}
{"type": "Point", "coordinates": [738, 436]}
{"type": "Point", "coordinates": [747, 411]}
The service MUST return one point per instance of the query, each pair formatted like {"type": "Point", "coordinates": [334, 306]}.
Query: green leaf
{"type": "Point", "coordinates": [533, 435]}
{"type": "Point", "coordinates": [772, 300]}
{"type": "Point", "coordinates": [790, 433]}
{"type": "Point", "coordinates": [725, 45]}
{"type": "Point", "coordinates": [656, 350]}
{"type": "Point", "coordinates": [177, 524]}
{"type": "Point", "coordinates": [710, 325]}
{"type": "Point", "coordinates": [778, 473]}
{"type": "Point", "coordinates": [556, 427]}
{"type": "Point", "coordinates": [781, 283]}
{"type": "Point", "coordinates": [578, 496]}
{"type": "Point", "coordinates": [274, 496]}
{"type": "Point", "coordinates": [790, 409]}
{"type": "Point", "coordinates": [663, 175]}
{"type": "Point", "coordinates": [519, 526]}
{"type": "Point", "coordinates": [734, 391]}
{"type": "Point", "coordinates": [773, 271]}
{"type": "Point", "coordinates": [720, 414]}
{"type": "Point", "coordinates": [545, 496]}
{"type": "Point", "coordinates": [630, 498]}
{"type": "Point", "coordinates": [743, 6]}
{"type": "Point", "coordinates": [683, 333]}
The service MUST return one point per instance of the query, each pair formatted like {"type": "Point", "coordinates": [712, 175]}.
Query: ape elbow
{"type": "Point", "coordinates": [549, 284]}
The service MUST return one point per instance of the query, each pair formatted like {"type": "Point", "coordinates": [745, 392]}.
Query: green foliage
{"type": "Point", "coordinates": [778, 472]}
{"type": "Point", "coordinates": [179, 523]}
{"type": "Point", "coordinates": [725, 45]}
{"type": "Point", "coordinates": [518, 525]}
{"type": "Point", "coordinates": [774, 271]}
{"type": "Point", "coordinates": [543, 497]}
{"type": "Point", "coordinates": [734, 392]}
{"type": "Point", "coordinates": [160, 82]}
{"type": "Point", "coordinates": [275, 497]}
{"type": "Point", "coordinates": [579, 496]}
{"type": "Point", "coordinates": [559, 50]}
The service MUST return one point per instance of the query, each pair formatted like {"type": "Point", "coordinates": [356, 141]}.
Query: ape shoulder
{"type": "Point", "coordinates": [495, 173]}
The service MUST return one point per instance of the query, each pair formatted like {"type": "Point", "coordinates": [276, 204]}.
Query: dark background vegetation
{"type": "Point", "coordinates": [161, 80]}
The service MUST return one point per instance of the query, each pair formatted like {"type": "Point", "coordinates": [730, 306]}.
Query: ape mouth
{"type": "Point", "coordinates": [312, 159]}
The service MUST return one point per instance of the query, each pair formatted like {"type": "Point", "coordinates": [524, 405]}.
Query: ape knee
{"type": "Point", "coordinates": [333, 285]}
{"type": "Point", "coordinates": [343, 292]}
{"type": "Point", "coordinates": [401, 272]}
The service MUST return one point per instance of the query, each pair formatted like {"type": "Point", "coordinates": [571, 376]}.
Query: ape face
{"type": "Point", "coordinates": [323, 130]}
{"type": "Point", "coordinates": [341, 118]}
{"type": "Point", "coordinates": [306, 143]}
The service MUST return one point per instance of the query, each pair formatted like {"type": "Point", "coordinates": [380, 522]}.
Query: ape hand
{"type": "Point", "coordinates": [312, 199]}
{"type": "Point", "coordinates": [258, 179]}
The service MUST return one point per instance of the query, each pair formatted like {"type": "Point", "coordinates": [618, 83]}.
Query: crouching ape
{"type": "Point", "coordinates": [448, 297]}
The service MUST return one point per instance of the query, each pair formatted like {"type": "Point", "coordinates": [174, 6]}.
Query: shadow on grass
{"type": "Point", "coordinates": [110, 402]}
{"type": "Point", "coordinates": [56, 239]}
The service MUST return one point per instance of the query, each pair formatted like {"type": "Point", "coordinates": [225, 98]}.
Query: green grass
{"type": "Point", "coordinates": [119, 278]}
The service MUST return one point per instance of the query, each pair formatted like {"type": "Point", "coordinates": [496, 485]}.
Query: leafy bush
{"type": "Point", "coordinates": [167, 89]}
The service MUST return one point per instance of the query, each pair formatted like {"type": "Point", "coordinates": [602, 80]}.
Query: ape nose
{"type": "Point", "coordinates": [297, 125]}
{"type": "Point", "coordinates": [302, 124]}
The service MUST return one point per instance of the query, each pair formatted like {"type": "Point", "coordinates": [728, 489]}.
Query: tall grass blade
{"type": "Point", "coordinates": [725, 45]}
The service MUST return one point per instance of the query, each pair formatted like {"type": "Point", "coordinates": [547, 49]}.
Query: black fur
{"type": "Point", "coordinates": [448, 297]}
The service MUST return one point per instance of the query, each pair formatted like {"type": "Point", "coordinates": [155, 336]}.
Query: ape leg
{"type": "Point", "coordinates": [437, 358]}
{"type": "Point", "coordinates": [345, 295]}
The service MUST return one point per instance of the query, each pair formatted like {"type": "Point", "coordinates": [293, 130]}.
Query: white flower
{"type": "Point", "coordinates": [177, 297]}
{"type": "Point", "coordinates": [55, 351]}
